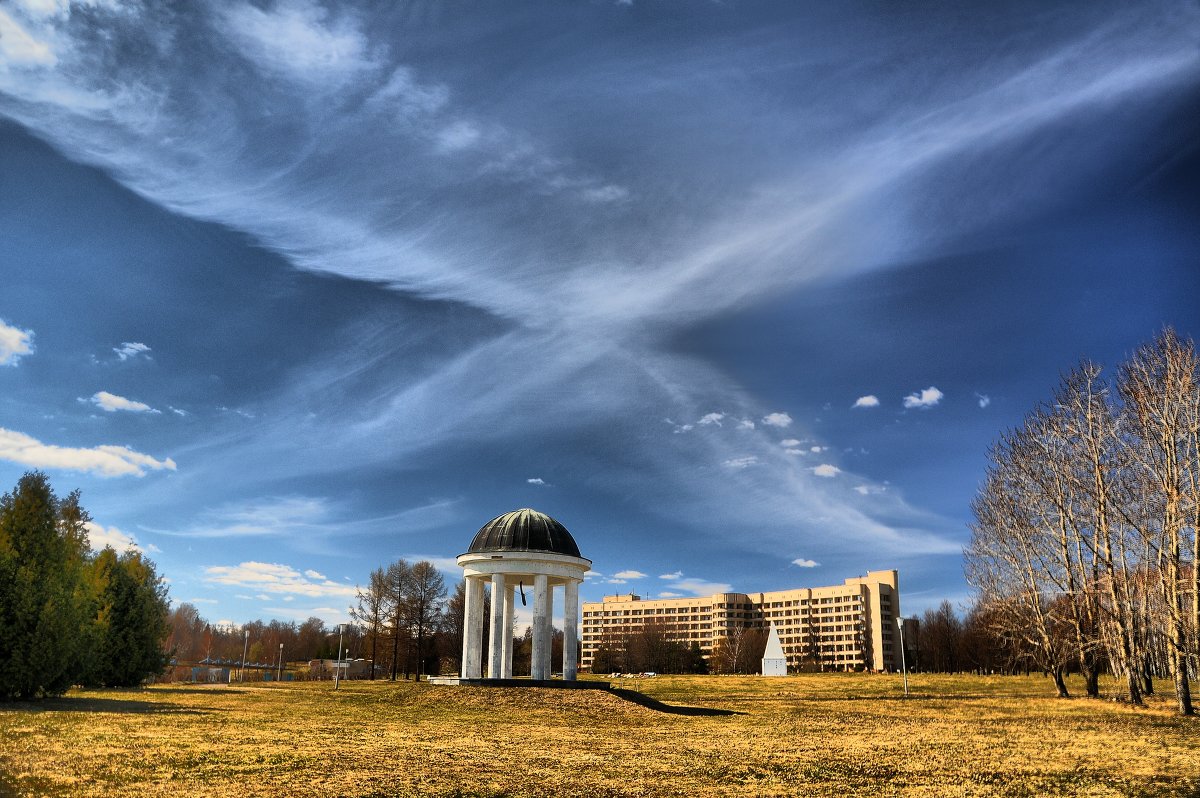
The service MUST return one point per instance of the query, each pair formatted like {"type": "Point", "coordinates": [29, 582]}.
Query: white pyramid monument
{"type": "Point", "coordinates": [774, 662]}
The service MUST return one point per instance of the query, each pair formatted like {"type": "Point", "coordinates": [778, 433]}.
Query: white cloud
{"type": "Point", "coordinates": [818, 449]}
{"type": "Point", "coordinates": [606, 193]}
{"type": "Point", "coordinates": [699, 587]}
{"type": "Point", "coordinates": [789, 443]}
{"type": "Point", "coordinates": [711, 418]}
{"type": "Point", "coordinates": [536, 481]}
{"type": "Point", "coordinates": [111, 403]}
{"type": "Point", "coordinates": [926, 398]}
{"type": "Point", "coordinates": [99, 537]}
{"type": "Point", "coordinates": [130, 349]}
{"type": "Point", "coordinates": [177, 411]}
{"type": "Point", "coordinates": [669, 594]}
{"type": "Point", "coordinates": [298, 40]}
{"type": "Point", "coordinates": [984, 399]}
{"type": "Point", "coordinates": [746, 423]}
{"type": "Point", "coordinates": [826, 470]}
{"type": "Point", "coordinates": [274, 578]}
{"type": "Point", "coordinates": [198, 600]}
{"type": "Point", "coordinates": [794, 452]}
{"type": "Point", "coordinates": [15, 343]}
{"type": "Point", "coordinates": [777, 420]}
{"type": "Point", "coordinates": [457, 136]}
{"type": "Point", "coordinates": [738, 463]}
{"type": "Point", "coordinates": [803, 563]}
{"type": "Point", "coordinates": [311, 574]}
{"type": "Point", "coordinates": [866, 401]}
{"type": "Point", "coordinates": [629, 575]}
{"type": "Point", "coordinates": [446, 565]}
{"type": "Point", "coordinates": [19, 48]}
{"type": "Point", "coordinates": [616, 581]}
{"type": "Point", "coordinates": [105, 461]}
{"type": "Point", "coordinates": [675, 575]}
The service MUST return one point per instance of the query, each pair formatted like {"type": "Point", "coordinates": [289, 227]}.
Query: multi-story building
{"type": "Point", "coordinates": [851, 626]}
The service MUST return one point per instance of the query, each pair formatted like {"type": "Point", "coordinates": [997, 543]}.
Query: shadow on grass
{"type": "Point", "coordinates": [646, 701]}
{"type": "Point", "coordinates": [117, 705]}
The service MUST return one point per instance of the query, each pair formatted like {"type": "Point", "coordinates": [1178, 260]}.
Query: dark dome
{"type": "Point", "coordinates": [524, 530]}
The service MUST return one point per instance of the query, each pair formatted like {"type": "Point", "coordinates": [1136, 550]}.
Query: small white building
{"type": "Point", "coordinates": [774, 661]}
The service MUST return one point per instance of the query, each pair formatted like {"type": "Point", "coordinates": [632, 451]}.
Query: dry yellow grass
{"type": "Point", "coordinates": [822, 734]}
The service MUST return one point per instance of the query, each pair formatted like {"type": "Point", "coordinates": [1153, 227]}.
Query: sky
{"type": "Point", "coordinates": [739, 292]}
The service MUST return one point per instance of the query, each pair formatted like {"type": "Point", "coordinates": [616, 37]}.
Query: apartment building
{"type": "Point", "coordinates": [851, 626]}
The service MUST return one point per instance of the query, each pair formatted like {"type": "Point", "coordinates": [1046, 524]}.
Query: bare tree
{"type": "Point", "coordinates": [370, 611]}
{"type": "Point", "coordinates": [426, 603]}
{"type": "Point", "coordinates": [397, 577]}
{"type": "Point", "coordinates": [1159, 386]}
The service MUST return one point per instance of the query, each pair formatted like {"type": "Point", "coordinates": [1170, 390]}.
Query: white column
{"type": "Point", "coordinates": [473, 630]}
{"type": "Point", "coordinates": [570, 629]}
{"type": "Point", "coordinates": [547, 659]}
{"type": "Point", "coordinates": [506, 664]}
{"type": "Point", "coordinates": [496, 630]}
{"type": "Point", "coordinates": [541, 640]}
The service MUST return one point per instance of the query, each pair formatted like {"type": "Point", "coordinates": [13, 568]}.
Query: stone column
{"type": "Point", "coordinates": [496, 628]}
{"type": "Point", "coordinates": [541, 640]}
{"type": "Point", "coordinates": [570, 629]}
{"type": "Point", "coordinates": [547, 659]}
{"type": "Point", "coordinates": [473, 630]}
{"type": "Point", "coordinates": [506, 663]}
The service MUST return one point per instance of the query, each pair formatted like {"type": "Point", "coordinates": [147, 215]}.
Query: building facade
{"type": "Point", "coordinates": [851, 626]}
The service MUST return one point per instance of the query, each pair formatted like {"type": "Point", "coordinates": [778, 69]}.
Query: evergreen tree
{"type": "Point", "coordinates": [130, 622]}
{"type": "Point", "coordinates": [43, 546]}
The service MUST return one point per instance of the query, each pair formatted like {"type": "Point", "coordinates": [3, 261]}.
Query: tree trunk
{"type": "Point", "coordinates": [1060, 682]}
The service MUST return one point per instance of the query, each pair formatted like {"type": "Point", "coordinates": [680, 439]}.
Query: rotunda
{"type": "Point", "coordinates": [514, 551]}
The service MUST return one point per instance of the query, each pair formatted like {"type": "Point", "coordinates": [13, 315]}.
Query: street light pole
{"type": "Point", "coordinates": [337, 668]}
{"type": "Point", "coordinates": [279, 671]}
{"type": "Point", "coordinates": [245, 648]}
{"type": "Point", "coordinates": [903, 658]}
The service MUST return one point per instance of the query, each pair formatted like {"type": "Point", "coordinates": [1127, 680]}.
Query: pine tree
{"type": "Point", "coordinates": [43, 546]}
{"type": "Point", "coordinates": [131, 620]}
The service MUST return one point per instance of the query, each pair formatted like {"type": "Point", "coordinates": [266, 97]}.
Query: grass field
{"type": "Point", "coordinates": [820, 734]}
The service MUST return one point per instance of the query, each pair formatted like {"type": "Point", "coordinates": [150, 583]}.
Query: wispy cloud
{"type": "Point", "coordinates": [869, 400]}
{"type": "Point", "coordinates": [15, 343]}
{"type": "Point", "coordinates": [711, 418]}
{"type": "Point", "coordinates": [105, 461]}
{"type": "Point", "coordinates": [984, 399]}
{"type": "Point", "coordinates": [536, 481]}
{"type": "Point", "coordinates": [111, 403]}
{"type": "Point", "coordinates": [738, 463]}
{"type": "Point", "coordinates": [923, 399]}
{"type": "Point", "coordinates": [674, 575]}
{"type": "Point", "coordinates": [273, 516]}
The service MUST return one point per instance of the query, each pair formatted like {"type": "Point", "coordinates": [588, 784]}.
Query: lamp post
{"type": "Point", "coordinates": [337, 668]}
{"type": "Point", "coordinates": [903, 657]}
{"type": "Point", "coordinates": [279, 667]}
{"type": "Point", "coordinates": [245, 648]}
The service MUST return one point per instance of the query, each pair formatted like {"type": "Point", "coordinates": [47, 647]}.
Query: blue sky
{"type": "Point", "coordinates": [739, 292]}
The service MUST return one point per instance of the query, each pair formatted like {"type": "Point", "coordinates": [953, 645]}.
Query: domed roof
{"type": "Point", "coordinates": [524, 530]}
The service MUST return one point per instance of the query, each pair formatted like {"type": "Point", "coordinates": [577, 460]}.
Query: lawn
{"type": "Point", "coordinates": [820, 734]}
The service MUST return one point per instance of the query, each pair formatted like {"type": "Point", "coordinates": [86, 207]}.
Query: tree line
{"type": "Point", "coordinates": [67, 615]}
{"type": "Point", "coordinates": [1084, 542]}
